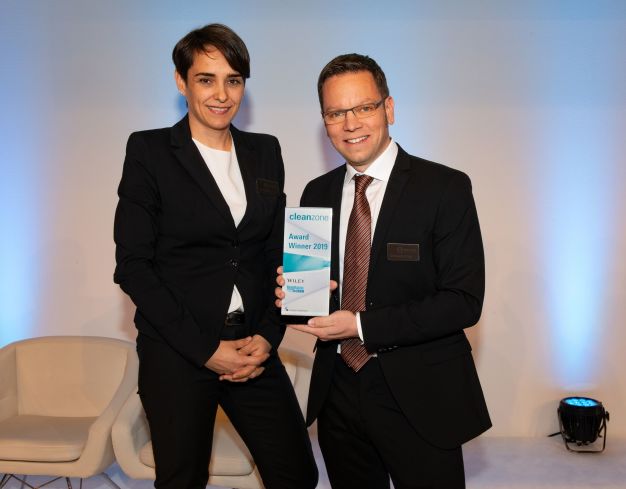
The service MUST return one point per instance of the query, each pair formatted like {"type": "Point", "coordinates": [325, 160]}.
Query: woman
{"type": "Point", "coordinates": [198, 230]}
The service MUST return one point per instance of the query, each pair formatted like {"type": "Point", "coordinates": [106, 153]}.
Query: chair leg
{"type": "Point", "coordinates": [42, 485]}
{"type": "Point", "coordinates": [6, 477]}
{"type": "Point", "coordinates": [4, 480]}
{"type": "Point", "coordinates": [22, 481]}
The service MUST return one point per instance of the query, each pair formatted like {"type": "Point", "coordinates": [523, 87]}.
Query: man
{"type": "Point", "coordinates": [402, 395]}
{"type": "Point", "coordinates": [198, 230]}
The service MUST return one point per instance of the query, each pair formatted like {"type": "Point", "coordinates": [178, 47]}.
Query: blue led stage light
{"type": "Point", "coordinates": [582, 421]}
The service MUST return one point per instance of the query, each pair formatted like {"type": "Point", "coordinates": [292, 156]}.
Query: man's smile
{"type": "Point", "coordinates": [356, 140]}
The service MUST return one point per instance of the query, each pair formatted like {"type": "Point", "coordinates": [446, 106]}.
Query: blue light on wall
{"type": "Point", "coordinates": [577, 219]}
{"type": "Point", "coordinates": [23, 101]}
{"type": "Point", "coordinates": [18, 218]}
{"type": "Point", "coordinates": [581, 73]}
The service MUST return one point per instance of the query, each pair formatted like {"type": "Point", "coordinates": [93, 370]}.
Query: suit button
{"type": "Point", "coordinates": [234, 263]}
{"type": "Point", "coordinates": [370, 304]}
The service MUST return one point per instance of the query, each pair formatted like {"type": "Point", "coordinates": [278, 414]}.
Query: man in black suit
{"type": "Point", "coordinates": [198, 230]}
{"type": "Point", "coordinates": [402, 395]}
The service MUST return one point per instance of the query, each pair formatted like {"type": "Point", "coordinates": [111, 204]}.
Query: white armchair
{"type": "Point", "coordinates": [231, 464]}
{"type": "Point", "coordinates": [59, 397]}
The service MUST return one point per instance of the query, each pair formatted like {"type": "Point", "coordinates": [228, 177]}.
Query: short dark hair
{"type": "Point", "coordinates": [352, 63]}
{"type": "Point", "coordinates": [221, 37]}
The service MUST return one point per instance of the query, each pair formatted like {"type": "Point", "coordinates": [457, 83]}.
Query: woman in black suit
{"type": "Point", "coordinates": [198, 230]}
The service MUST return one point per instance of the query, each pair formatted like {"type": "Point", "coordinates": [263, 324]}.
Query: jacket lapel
{"type": "Point", "coordinates": [246, 160]}
{"type": "Point", "coordinates": [336, 191]}
{"type": "Point", "coordinates": [189, 157]}
{"type": "Point", "coordinates": [397, 180]}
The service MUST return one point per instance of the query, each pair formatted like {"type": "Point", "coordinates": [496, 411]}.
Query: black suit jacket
{"type": "Point", "coordinates": [178, 250]}
{"type": "Point", "coordinates": [417, 309]}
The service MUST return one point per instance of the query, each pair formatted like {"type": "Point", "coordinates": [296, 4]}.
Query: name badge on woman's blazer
{"type": "Point", "coordinates": [267, 188]}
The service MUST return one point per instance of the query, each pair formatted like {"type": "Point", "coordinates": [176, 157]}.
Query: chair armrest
{"type": "Point", "coordinates": [8, 382]}
{"type": "Point", "coordinates": [130, 433]}
{"type": "Point", "coordinates": [302, 377]}
{"type": "Point", "coordinates": [99, 448]}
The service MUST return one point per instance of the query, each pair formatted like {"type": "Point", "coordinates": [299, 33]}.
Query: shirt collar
{"type": "Point", "coordinates": [381, 167]}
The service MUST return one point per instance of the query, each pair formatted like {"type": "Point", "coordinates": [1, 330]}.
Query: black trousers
{"type": "Point", "coordinates": [366, 439]}
{"type": "Point", "coordinates": [181, 401]}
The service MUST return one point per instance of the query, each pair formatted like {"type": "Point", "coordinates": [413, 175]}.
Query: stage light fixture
{"type": "Point", "coordinates": [582, 420]}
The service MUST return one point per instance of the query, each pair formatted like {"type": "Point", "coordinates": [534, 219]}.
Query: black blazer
{"type": "Point", "coordinates": [178, 250]}
{"type": "Point", "coordinates": [418, 306]}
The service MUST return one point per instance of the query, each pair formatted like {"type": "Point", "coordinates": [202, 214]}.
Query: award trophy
{"type": "Point", "coordinates": [306, 263]}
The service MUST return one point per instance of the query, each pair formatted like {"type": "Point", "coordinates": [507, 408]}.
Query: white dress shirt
{"type": "Point", "coordinates": [379, 170]}
{"type": "Point", "coordinates": [224, 167]}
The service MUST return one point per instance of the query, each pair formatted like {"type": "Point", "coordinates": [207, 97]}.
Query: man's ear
{"type": "Point", "coordinates": [389, 106]}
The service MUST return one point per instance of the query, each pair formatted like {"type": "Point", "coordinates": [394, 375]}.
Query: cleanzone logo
{"type": "Point", "coordinates": [307, 217]}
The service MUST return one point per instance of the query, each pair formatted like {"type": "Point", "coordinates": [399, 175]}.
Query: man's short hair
{"type": "Point", "coordinates": [219, 36]}
{"type": "Point", "coordinates": [352, 63]}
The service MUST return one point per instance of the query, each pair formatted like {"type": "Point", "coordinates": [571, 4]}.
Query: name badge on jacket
{"type": "Point", "coordinates": [267, 188]}
{"type": "Point", "coordinates": [403, 251]}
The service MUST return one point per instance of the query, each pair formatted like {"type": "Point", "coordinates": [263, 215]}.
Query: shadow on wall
{"type": "Point", "coordinates": [545, 420]}
{"type": "Point", "coordinates": [474, 335]}
{"type": "Point", "coordinates": [331, 158]}
{"type": "Point", "coordinates": [243, 119]}
{"type": "Point", "coordinates": [180, 103]}
{"type": "Point", "coordinates": [126, 325]}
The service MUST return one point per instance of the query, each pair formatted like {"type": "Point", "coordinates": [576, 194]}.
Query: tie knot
{"type": "Point", "coordinates": [361, 182]}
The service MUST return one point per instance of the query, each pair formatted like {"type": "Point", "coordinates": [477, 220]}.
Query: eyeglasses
{"type": "Point", "coordinates": [360, 112]}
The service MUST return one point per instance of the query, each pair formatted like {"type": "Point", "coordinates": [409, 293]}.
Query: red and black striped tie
{"type": "Point", "coordinates": [355, 266]}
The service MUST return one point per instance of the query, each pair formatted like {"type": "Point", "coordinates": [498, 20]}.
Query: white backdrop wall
{"type": "Point", "coordinates": [528, 98]}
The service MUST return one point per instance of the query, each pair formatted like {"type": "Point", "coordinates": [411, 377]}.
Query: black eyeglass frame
{"type": "Point", "coordinates": [354, 110]}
